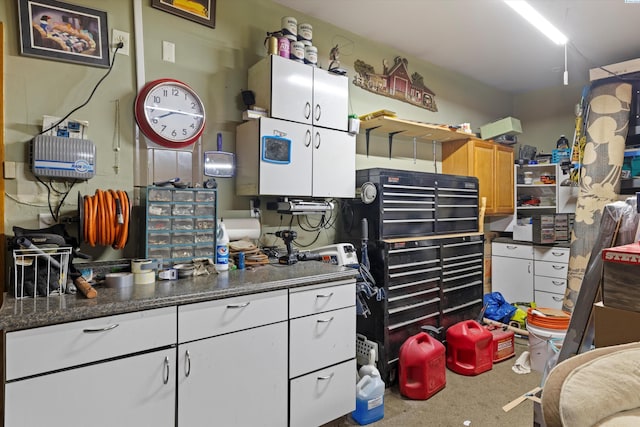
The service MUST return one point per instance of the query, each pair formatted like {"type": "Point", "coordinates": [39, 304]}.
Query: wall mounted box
{"type": "Point", "coordinates": [506, 126]}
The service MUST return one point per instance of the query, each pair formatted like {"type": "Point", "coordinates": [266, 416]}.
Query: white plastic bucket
{"type": "Point", "coordinates": [544, 344]}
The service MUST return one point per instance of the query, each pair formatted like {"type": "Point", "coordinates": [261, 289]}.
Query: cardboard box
{"type": "Point", "coordinates": [506, 126]}
{"type": "Point", "coordinates": [621, 278]}
{"type": "Point", "coordinates": [614, 326]}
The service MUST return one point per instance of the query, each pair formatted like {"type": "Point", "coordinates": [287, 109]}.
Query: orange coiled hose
{"type": "Point", "coordinates": [106, 218]}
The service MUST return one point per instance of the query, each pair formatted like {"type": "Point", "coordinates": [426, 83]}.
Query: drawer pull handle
{"type": "Point", "coordinates": [165, 380]}
{"type": "Point", "coordinates": [326, 377]}
{"type": "Point", "coordinates": [97, 330]}
{"type": "Point", "coordinates": [558, 298]}
{"type": "Point", "coordinates": [241, 305]}
{"type": "Point", "coordinates": [558, 267]}
{"type": "Point", "coordinates": [557, 283]}
{"type": "Point", "coordinates": [187, 364]}
{"type": "Point", "coordinates": [557, 253]}
{"type": "Point", "coordinates": [307, 110]}
{"type": "Point", "coordinates": [329, 295]}
{"type": "Point", "coordinates": [325, 320]}
{"type": "Point", "coordinates": [512, 247]}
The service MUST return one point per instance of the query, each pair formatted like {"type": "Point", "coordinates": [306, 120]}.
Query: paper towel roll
{"type": "Point", "coordinates": [243, 228]}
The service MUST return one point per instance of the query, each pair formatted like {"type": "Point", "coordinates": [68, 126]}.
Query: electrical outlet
{"type": "Point", "coordinates": [120, 36]}
{"type": "Point", "coordinates": [45, 220]}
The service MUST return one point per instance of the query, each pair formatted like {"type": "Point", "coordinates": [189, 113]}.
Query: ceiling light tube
{"type": "Point", "coordinates": [540, 22]}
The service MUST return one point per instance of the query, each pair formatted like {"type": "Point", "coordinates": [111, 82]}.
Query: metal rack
{"type": "Point", "coordinates": [40, 272]}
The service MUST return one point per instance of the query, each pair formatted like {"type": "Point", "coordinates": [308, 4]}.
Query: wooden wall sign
{"type": "Point", "coordinates": [395, 82]}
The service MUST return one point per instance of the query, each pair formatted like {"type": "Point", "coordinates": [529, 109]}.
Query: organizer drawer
{"type": "Point", "coordinates": [322, 339]}
{"type": "Point", "coordinates": [512, 250]}
{"type": "Point", "coordinates": [210, 318]}
{"type": "Point", "coordinates": [306, 301]}
{"type": "Point", "coordinates": [39, 350]}
{"type": "Point", "coordinates": [550, 284]}
{"type": "Point", "coordinates": [548, 299]}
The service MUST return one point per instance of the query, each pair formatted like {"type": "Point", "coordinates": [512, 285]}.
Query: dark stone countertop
{"type": "Point", "coordinates": [17, 314]}
{"type": "Point", "coordinates": [522, 242]}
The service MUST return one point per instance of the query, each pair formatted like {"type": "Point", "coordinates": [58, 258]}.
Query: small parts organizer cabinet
{"type": "Point", "coordinates": [524, 273]}
{"type": "Point", "coordinates": [180, 223]}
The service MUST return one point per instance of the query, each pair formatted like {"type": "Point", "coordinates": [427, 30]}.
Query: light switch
{"type": "Point", "coordinates": [168, 51]}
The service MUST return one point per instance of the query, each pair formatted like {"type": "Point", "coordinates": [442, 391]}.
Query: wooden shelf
{"type": "Point", "coordinates": [420, 131]}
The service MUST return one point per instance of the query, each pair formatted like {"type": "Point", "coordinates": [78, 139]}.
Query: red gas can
{"type": "Point", "coordinates": [422, 367]}
{"type": "Point", "coordinates": [503, 346]}
{"type": "Point", "coordinates": [469, 348]}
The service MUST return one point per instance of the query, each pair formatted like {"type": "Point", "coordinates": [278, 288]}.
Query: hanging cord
{"type": "Point", "coordinates": [106, 218]}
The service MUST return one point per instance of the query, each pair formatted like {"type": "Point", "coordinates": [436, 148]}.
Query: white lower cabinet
{"type": "Point", "coordinates": [322, 366]}
{"type": "Point", "coordinates": [524, 273]}
{"type": "Point", "coordinates": [111, 371]}
{"type": "Point", "coordinates": [133, 391]}
{"type": "Point", "coordinates": [234, 372]}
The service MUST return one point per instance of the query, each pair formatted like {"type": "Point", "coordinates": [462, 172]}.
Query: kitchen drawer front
{"type": "Point", "coordinates": [40, 350]}
{"type": "Point", "coordinates": [542, 253]}
{"type": "Point", "coordinates": [323, 395]}
{"type": "Point", "coordinates": [550, 284]}
{"type": "Point", "coordinates": [306, 301]}
{"type": "Point", "coordinates": [207, 319]}
{"type": "Point", "coordinates": [321, 340]}
{"type": "Point", "coordinates": [548, 299]}
{"type": "Point", "coordinates": [512, 250]}
{"type": "Point", "coordinates": [551, 269]}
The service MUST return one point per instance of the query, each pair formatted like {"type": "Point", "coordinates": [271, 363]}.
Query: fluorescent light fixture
{"type": "Point", "coordinates": [540, 22]}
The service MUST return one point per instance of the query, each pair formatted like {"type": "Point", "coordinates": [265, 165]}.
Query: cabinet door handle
{"type": "Point", "coordinates": [329, 295]}
{"type": "Point", "coordinates": [558, 299]}
{"type": "Point", "coordinates": [529, 268]}
{"type": "Point", "coordinates": [318, 112]}
{"type": "Point", "coordinates": [558, 267]}
{"type": "Point", "coordinates": [307, 110]}
{"type": "Point", "coordinates": [165, 379]}
{"type": "Point", "coordinates": [557, 283]}
{"type": "Point", "coordinates": [187, 364]}
{"type": "Point", "coordinates": [240, 305]}
{"type": "Point", "coordinates": [307, 138]}
{"type": "Point", "coordinates": [317, 144]}
{"type": "Point", "coordinates": [326, 377]}
{"type": "Point", "coordinates": [97, 330]}
{"type": "Point", "coordinates": [325, 320]}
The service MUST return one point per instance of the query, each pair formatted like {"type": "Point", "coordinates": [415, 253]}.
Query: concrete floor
{"type": "Point", "coordinates": [474, 401]}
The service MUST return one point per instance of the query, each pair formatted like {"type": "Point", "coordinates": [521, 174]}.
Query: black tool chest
{"type": "Point", "coordinates": [434, 279]}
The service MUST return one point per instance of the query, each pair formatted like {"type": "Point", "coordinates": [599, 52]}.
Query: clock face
{"type": "Point", "coordinates": [170, 113]}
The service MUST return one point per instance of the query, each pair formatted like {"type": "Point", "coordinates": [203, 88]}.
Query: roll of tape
{"type": "Point", "coordinates": [141, 265]}
{"type": "Point", "coordinates": [144, 277]}
{"type": "Point", "coordinates": [185, 270]}
{"type": "Point", "coordinates": [118, 280]}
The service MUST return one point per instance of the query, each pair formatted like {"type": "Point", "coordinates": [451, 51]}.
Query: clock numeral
{"type": "Point", "coordinates": [163, 128]}
{"type": "Point", "coordinates": [184, 132]}
{"type": "Point", "coordinates": [192, 126]}
{"type": "Point", "coordinates": [193, 105]}
{"type": "Point", "coordinates": [174, 133]}
{"type": "Point", "coordinates": [156, 99]}
{"type": "Point", "coordinates": [165, 92]}
{"type": "Point", "coordinates": [154, 120]}
{"type": "Point", "coordinates": [175, 91]}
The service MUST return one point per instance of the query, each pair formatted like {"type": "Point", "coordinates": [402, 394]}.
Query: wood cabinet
{"type": "Point", "coordinates": [491, 163]}
{"type": "Point", "coordinates": [126, 360]}
{"type": "Point", "coordinates": [232, 361]}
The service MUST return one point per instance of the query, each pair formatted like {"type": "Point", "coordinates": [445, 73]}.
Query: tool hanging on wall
{"type": "Point", "coordinates": [104, 218]}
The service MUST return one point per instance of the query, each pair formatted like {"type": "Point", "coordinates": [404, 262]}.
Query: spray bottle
{"type": "Point", "coordinates": [222, 247]}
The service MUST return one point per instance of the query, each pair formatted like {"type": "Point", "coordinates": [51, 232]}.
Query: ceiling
{"type": "Point", "coordinates": [487, 40]}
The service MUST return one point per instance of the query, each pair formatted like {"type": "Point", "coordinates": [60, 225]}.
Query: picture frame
{"type": "Point", "coordinates": [61, 31]}
{"type": "Point", "coordinates": [200, 11]}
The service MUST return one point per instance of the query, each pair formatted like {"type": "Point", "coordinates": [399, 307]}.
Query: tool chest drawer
{"type": "Point", "coordinates": [40, 350]}
{"type": "Point", "coordinates": [512, 250]}
{"type": "Point", "coordinates": [322, 339]}
{"type": "Point", "coordinates": [211, 318]}
{"type": "Point", "coordinates": [306, 301]}
{"type": "Point", "coordinates": [318, 396]}
{"type": "Point", "coordinates": [551, 269]}
{"type": "Point", "coordinates": [541, 253]}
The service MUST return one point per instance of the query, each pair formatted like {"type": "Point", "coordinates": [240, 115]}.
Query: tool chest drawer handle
{"type": "Point", "coordinates": [325, 320]}
{"type": "Point", "coordinates": [241, 305]}
{"type": "Point", "coordinates": [97, 330]}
